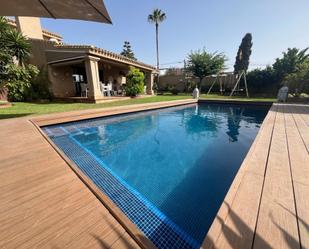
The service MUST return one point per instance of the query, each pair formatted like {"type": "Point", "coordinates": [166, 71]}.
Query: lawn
{"type": "Point", "coordinates": [20, 109]}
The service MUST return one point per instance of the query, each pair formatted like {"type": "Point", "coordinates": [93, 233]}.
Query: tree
{"type": "Point", "coordinates": [18, 45]}
{"type": "Point", "coordinates": [201, 64]}
{"type": "Point", "coordinates": [156, 17]}
{"type": "Point", "coordinates": [135, 82]}
{"type": "Point", "coordinates": [5, 53]}
{"type": "Point", "coordinates": [12, 43]}
{"type": "Point", "coordinates": [290, 63]}
{"type": "Point", "coordinates": [298, 80]}
{"type": "Point", "coordinates": [20, 81]}
{"type": "Point", "coordinates": [243, 54]}
{"type": "Point", "coordinates": [127, 51]}
{"type": "Point", "coordinates": [17, 78]}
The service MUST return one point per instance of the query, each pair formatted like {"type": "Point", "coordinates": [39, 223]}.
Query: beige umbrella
{"type": "Point", "coordinates": [90, 10]}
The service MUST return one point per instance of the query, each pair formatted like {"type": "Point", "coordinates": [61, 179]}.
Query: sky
{"type": "Point", "coordinates": [216, 25]}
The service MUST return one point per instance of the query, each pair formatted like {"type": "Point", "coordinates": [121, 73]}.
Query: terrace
{"type": "Point", "coordinates": [53, 206]}
{"type": "Point", "coordinates": [120, 170]}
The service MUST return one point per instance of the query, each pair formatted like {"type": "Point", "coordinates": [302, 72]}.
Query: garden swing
{"type": "Point", "coordinates": [241, 75]}
{"type": "Point", "coordinates": [227, 78]}
{"type": "Point", "coordinates": [218, 79]}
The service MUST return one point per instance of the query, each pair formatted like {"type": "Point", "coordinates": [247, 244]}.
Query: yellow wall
{"type": "Point", "coordinates": [29, 26]}
{"type": "Point", "coordinates": [62, 82]}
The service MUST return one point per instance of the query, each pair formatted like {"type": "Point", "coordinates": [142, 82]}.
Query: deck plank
{"type": "Point", "coordinates": [301, 124]}
{"type": "Point", "coordinates": [239, 225]}
{"type": "Point", "coordinates": [277, 224]}
{"type": "Point", "coordinates": [300, 174]}
{"type": "Point", "coordinates": [43, 203]}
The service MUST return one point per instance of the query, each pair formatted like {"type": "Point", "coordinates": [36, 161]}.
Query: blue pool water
{"type": "Point", "coordinates": [169, 169]}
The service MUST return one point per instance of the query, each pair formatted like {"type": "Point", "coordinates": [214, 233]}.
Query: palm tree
{"type": "Point", "coordinates": [156, 17]}
{"type": "Point", "coordinates": [18, 45]}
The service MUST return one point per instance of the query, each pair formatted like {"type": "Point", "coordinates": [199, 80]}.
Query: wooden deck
{"type": "Point", "coordinates": [267, 205]}
{"type": "Point", "coordinates": [45, 205]}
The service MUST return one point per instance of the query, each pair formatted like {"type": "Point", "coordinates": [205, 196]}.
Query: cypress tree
{"type": "Point", "coordinates": [243, 54]}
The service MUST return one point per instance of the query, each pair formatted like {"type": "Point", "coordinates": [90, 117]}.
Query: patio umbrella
{"type": "Point", "coordinates": [89, 10]}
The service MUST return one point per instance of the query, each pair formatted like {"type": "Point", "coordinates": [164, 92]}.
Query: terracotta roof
{"type": "Point", "coordinates": [44, 31]}
{"type": "Point", "coordinates": [107, 54]}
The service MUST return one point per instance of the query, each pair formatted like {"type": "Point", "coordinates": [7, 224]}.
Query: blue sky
{"type": "Point", "coordinates": [217, 25]}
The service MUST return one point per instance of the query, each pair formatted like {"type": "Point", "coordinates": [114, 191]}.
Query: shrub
{"type": "Point", "coordinates": [263, 81]}
{"type": "Point", "coordinates": [189, 86]}
{"type": "Point", "coordinates": [19, 83]}
{"type": "Point", "coordinates": [40, 87]}
{"type": "Point", "coordinates": [135, 82]}
{"type": "Point", "coordinates": [174, 90]}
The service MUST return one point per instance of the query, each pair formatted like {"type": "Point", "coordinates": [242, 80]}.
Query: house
{"type": "Point", "coordinates": [79, 72]}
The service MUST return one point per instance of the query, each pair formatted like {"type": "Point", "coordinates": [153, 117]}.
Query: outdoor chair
{"type": "Point", "coordinates": [106, 89]}
{"type": "Point", "coordinates": [84, 90]}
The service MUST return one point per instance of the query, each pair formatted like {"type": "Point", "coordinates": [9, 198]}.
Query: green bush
{"type": "Point", "coordinates": [263, 81]}
{"type": "Point", "coordinates": [19, 83]}
{"type": "Point", "coordinates": [173, 89]}
{"type": "Point", "coordinates": [135, 82]}
{"type": "Point", "coordinates": [40, 87]}
{"type": "Point", "coordinates": [298, 82]}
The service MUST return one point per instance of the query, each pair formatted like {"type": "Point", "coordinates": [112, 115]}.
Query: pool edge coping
{"type": "Point", "coordinates": [116, 212]}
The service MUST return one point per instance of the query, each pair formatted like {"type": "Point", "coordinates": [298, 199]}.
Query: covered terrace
{"type": "Point", "coordinates": [91, 74]}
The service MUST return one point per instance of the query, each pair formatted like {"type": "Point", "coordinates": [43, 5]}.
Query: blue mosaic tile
{"type": "Point", "coordinates": [163, 232]}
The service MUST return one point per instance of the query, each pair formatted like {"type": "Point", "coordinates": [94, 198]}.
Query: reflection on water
{"type": "Point", "coordinates": [181, 159]}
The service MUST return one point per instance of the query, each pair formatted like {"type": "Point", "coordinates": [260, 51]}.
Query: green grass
{"type": "Point", "coordinates": [20, 109]}
{"type": "Point", "coordinates": [218, 97]}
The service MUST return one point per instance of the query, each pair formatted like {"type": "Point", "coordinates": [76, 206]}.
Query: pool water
{"type": "Point", "coordinates": [169, 169]}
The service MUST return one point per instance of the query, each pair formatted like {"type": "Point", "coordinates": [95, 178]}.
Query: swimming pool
{"type": "Point", "coordinates": [168, 170]}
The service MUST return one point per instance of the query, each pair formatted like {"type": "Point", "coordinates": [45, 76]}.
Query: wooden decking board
{"type": "Point", "coordinates": [234, 225]}
{"type": "Point", "coordinates": [297, 150]}
{"type": "Point", "coordinates": [43, 236]}
{"type": "Point", "coordinates": [277, 224]}
{"type": "Point", "coordinates": [238, 230]}
{"type": "Point", "coordinates": [123, 242]}
{"type": "Point", "coordinates": [304, 114]}
{"type": "Point", "coordinates": [29, 177]}
{"type": "Point", "coordinates": [39, 221]}
{"type": "Point", "coordinates": [45, 205]}
{"type": "Point", "coordinates": [12, 208]}
{"type": "Point", "coordinates": [301, 125]}
{"type": "Point", "coordinates": [18, 195]}
{"type": "Point", "coordinates": [299, 162]}
{"type": "Point", "coordinates": [90, 225]}
{"type": "Point", "coordinates": [102, 233]}
{"type": "Point", "coordinates": [302, 205]}
{"type": "Point", "coordinates": [31, 213]}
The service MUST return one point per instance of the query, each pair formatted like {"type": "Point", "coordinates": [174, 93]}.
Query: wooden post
{"type": "Point", "coordinates": [245, 79]}
{"type": "Point", "coordinates": [238, 80]}
{"type": "Point", "coordinates": [212, 85]}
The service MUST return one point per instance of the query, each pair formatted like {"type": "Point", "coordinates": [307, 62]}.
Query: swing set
{"type": "Point", "coordinates": [222, 78]}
